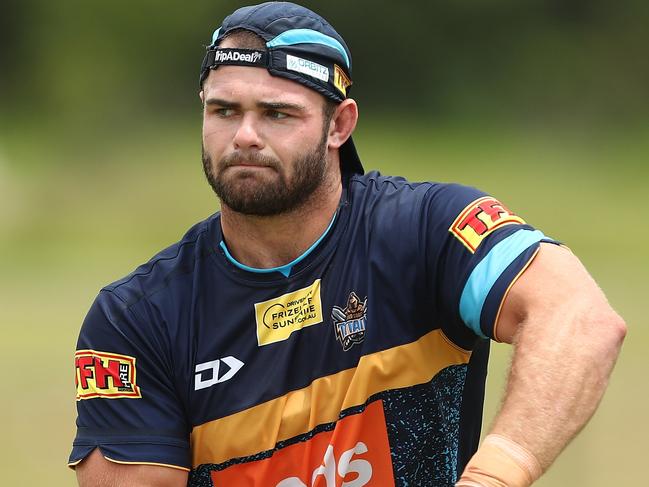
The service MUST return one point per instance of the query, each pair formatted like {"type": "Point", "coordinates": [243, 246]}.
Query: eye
{"type": "Point", "coordinates": [224, 112]}
{"type": "Point", "coordinates": [276, 115]}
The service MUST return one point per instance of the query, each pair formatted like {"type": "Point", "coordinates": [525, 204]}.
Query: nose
{"type": "Point", "coordinates": [247, 135]}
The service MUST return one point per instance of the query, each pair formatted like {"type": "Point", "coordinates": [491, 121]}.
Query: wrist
{"type": "Point", "coordinates": [500, 462]}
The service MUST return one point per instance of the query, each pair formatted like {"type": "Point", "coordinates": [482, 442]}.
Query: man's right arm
{"type": "Point", "coordinates": [97, 471]}
{"type": "Point", "coordinates": [131, 426]}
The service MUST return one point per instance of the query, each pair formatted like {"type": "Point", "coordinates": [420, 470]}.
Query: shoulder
{"type": "Point", "coordinates": [396, 196]}
{"type": "Point", "coordinates": [176, 262]}
{"type": "Point", "coordinates": [377, 184]}
{"type": "Point", "coordinates": [145, 304]}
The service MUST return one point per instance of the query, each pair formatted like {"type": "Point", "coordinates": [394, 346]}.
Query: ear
{"type": "Point", "coordinates": [201, 95]}
{"type": "Point", "coordinates": [342, 123]}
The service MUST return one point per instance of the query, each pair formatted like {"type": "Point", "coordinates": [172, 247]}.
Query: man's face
{"type": "Point", "coordinates": [264, 140]}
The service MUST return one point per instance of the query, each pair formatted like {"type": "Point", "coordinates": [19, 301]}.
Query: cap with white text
{"type": "Point", "coordinates": [300, 46]}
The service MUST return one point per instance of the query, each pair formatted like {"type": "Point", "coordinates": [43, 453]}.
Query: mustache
{"type": "Point", "coordinates": [253, 158]}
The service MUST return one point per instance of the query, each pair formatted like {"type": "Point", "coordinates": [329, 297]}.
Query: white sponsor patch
{"type": "Point", "coordinates": [305, 66]}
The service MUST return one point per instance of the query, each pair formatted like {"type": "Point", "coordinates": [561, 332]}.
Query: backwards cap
{"type": "Point", "coordinates": [300, 46]}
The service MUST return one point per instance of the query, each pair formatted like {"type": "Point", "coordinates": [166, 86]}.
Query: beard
{"type": "Point", "coordinates": [254, 194]}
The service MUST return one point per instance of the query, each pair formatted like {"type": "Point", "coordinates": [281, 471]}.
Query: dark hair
{"type": "Point", "coordinates": [246, 39]}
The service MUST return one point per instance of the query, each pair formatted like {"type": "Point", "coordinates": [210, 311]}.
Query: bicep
{"type": "Point", "coordinates": [97, 471]}
{"type": "Point", "coordinates": [555, 282]}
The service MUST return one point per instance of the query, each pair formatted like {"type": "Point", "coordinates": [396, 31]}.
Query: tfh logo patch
{"type": "Point", "coordinates": [349, 322]}
{"type": "Point", "coordinates": [105, 375]}
{"type": "Point", "coordinates": [479, 219]}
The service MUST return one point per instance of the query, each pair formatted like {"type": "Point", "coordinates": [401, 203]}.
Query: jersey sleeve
{"type": "Point", "coordinates": [126, 401]}
{"type": "Point", "coordinates": [477, 250]}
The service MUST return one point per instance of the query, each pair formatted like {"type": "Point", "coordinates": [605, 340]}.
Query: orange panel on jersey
{"type": "Point", "coordinates": [356, 453]}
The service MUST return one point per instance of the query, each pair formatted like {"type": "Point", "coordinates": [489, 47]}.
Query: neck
{"type": "Point", "coordinates": [264, 242]}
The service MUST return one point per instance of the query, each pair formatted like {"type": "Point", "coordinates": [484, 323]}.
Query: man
{"type": "Point", "coordinates": [327, 327]}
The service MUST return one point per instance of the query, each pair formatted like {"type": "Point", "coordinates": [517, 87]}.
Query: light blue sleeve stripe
{"type": "Point", "coordinates": [487, 272]}
{"type": "Point", "coordinates": [308, 36]}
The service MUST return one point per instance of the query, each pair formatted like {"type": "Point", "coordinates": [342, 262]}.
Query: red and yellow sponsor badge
{"type": "Point", "coordinates": [356, 452]}
{"type": "Point", "coordinates": [105, 375]}
{"type": "Point", "coordinates": [479, 219]}
{"type": "Point", "coordinates": [341, 80]}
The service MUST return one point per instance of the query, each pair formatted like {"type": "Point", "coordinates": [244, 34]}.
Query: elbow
{"type": "Point", "coordinates": [615, 331]}
{"type": "Point", "coordinates": [620, 329]}
{"type": "Point", "coordinates": [604, 332]}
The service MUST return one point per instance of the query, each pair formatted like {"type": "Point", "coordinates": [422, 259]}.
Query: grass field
{"type": "Point", "coordinates": [75, 218]}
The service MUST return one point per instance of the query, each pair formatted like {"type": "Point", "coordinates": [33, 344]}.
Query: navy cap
{"type": "Point", "coordinates": [300, 46]}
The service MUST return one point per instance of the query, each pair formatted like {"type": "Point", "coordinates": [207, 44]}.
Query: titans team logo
{"type": "Point", "coordinates": [349, 323]}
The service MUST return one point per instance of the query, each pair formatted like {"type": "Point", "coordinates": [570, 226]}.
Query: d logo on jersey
{"type": "Point", "coordinates": [211, 373]}
{"type": "Point", "coordinates": [479, 219]}
{"type": "Point", "coordinates": [105, 375]}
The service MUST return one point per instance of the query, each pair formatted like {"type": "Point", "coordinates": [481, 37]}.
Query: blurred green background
{"type": "Point", "coordinates": [542, 103]}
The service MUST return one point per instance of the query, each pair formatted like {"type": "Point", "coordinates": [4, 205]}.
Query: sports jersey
{"type": "Point", "coordinates": [363, 362]}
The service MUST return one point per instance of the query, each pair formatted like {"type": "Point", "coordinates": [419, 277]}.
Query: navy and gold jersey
{"type": "Point", "coordinates": [363, 362]}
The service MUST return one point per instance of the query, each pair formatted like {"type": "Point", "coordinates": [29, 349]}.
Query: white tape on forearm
{"type": "Point", "coordinates": [500, 462]}
{"type": "Point", "coordinates": [519, 454]}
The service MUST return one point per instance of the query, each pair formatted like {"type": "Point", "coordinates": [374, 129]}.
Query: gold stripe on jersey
{"type": "Point", "coordinates": [260, 427]}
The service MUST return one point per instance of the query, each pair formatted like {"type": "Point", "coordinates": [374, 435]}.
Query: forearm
{"type": "Point", "coordinates": [566, 340]}
{"type": "Point", "coordinates": [560, 369]}
{"type": "Point", "coordinates": [97, 471]}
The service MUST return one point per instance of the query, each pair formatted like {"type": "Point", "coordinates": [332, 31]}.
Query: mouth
{"type": "Point", "coordinates": [248, 166]}
{"type": "Point", "coordinates": [250, 162]}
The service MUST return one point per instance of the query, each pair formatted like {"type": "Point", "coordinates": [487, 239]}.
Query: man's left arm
{"type": "Point", "coordinates": [566, 340]}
